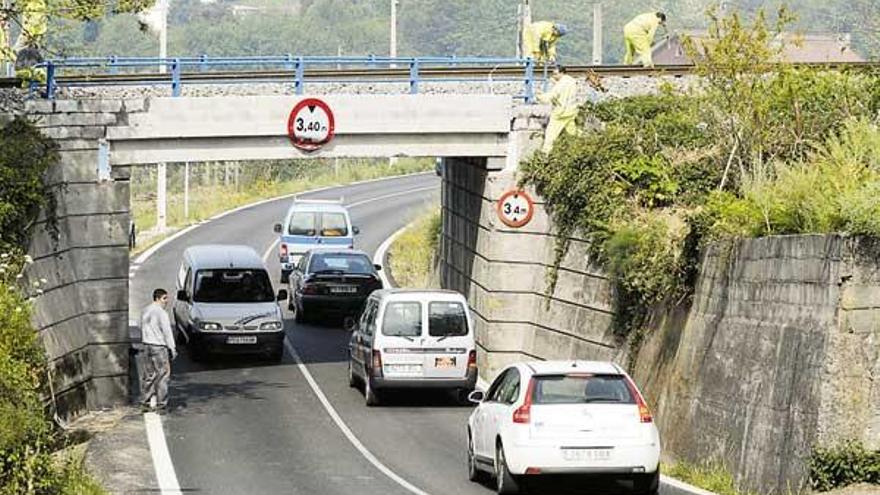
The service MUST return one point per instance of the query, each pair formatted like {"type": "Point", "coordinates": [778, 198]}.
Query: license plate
{"type": "Point", "coordinates": [242, 339]}
{"type": "Point", "coordinates": [343, 290]}
{"type": "Point", "coordinates": [582, 455]}
{"type": "Point", "coordinates": [403, 369]}
{"type": "Point", "coordinates": [444, 362]}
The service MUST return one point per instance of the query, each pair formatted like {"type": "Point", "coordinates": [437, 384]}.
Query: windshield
{"type": "Point", "coordinates": [447, 319]}
{"type": "Point", "coordinates": [580, 389]}
{"type": "Point", "coordinates": [233, 286]}
{"type": "Point", "coordinates": [303, 223]}
{"type": "Point", "coordinates": [344, 262]}
{"type": "Point", "coordinates": [403, 319]}
{"type": "Point", "coordinates": [333, 225]}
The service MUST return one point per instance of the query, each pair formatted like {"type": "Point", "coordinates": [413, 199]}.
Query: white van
{"type": "Point", "coordinates": [407, 338]}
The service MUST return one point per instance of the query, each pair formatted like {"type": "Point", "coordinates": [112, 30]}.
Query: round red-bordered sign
{"type": "Point", "coordinates": [311, 124]}
{"type": "Point", "coordinates": [515, 208]}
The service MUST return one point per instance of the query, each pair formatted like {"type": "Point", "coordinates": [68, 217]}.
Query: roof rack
{"type": "Point", "coordinates": [339, 201]}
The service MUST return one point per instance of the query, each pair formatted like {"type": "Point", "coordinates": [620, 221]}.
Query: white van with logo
{"type": "Point", "coordinates": [408, 338]}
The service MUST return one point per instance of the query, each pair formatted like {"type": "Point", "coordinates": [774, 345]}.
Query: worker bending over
{"type": "Point", "coordinates": [638, 35]}
{"type": "Point", "coordinates": [563, 97]}
{"type": "Point", "coordinates": [539, 40]}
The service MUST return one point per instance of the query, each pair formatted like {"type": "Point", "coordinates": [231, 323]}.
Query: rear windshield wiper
{"type": "Point", "coordinates": [331, 271]}
{"type": "Point", "coordinates": [600, 399]}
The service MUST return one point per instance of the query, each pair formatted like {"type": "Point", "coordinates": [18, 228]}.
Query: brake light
{"type": "Point", "coordinates": [523, 414]}
{"type": "Point", "coordinates": [644, 413]}
{"type": "Point", "coordinates": [283, 249]}
{"type": "Point", "coordinates": [472, 360]}
{"type": "Point", "coordinates": [377, 364]}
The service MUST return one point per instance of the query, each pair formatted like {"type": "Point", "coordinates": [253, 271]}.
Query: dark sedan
{"type": "Point", "coordinates": [332, 283]}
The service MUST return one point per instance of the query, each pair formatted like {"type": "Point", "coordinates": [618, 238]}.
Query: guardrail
{"type": "Point", "coordinates": [297, 70]}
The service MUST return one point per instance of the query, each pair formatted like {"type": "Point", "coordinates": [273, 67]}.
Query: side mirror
{"type": "Point", "coordinates": [476, 396]}
{"type": "Point", "coordinates": [282, 295]}
{"type": "Point", "coordinates": [378, 268]}
{"type": "Point", "coordinates": [182, 295]}
{"type": "Point", "coordinates": [356, 230]}
{"type": "Point", "coordinates": [277, 228]}
{"type": "Point", "coordinates": [349, 324]}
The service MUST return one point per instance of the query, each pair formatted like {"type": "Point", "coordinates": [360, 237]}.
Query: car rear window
{"type": "Point", "coordinates": [581, 389]}
{"type": "Point", "coordinates": [447, 319]}
{"type": "Point", "coordinates": [333, 225]}
{"type": "Point", "coordinates": [402, 319]}
{"type": "Point", "coordinates": [233, 286]}
{"type": "Point", "coordinates": [303, 223]}
{"type": "Point", "coordinates": [347, 263]}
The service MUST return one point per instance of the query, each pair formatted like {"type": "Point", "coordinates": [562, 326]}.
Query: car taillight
{"type": "Point", "coordinates": [472, 360]}
{"type": "Point", "coordinates": [310, 289]}
{"type": "Point", "coordinates": [523, 414]}
{"type": "Point", "coordinates": [644, 413]}
{"type": "Point", "coordinates": [377, 364]}
{"type": "Point", "coordinates": [283, 249]}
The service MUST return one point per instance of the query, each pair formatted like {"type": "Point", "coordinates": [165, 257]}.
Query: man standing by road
{"type": "Point", "coordinates": [159, 348]}
{"type": "Point", "coordinates": [563, 97]}
{"type": "Point", "coordinates": [638, 35]}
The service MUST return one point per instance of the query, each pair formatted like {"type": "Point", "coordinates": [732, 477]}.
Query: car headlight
{"type": "Point", "coordinates": [271, 325]}
{"type": "Point", "coordinates": [209, 325]}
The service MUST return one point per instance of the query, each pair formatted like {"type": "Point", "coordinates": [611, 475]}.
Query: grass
{"type": "Point", "coordinates": [412, 253]}
{"type": "Point", "coordinates": [206, 201]}
{"type": "Point", "coordinates": [712, 476]}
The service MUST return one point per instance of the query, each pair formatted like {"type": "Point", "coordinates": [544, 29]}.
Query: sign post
{"type": "Point", "coordinates": [515, 208]}
{"type": "Point", "coordinates": [311, 124]}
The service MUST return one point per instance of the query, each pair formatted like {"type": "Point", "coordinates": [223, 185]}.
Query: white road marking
{"type": "Point", "coordinates": [345, 429]}
{"type": "Point", "coordinates": [161, 458]}
{"type": "Point", "coordinates": [392, 195]}
{"type": "Point", "coordinates": [270, 249]}
{"type": "Point", "coordinates": [379, 257]}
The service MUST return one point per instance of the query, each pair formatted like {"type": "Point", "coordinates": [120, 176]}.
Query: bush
{"type": "Point", "coordinates": [845, 464]}
{"type": "Point", "coordinates": [710, 475]}
{"type": "Point", "coordinates": [412, 254]}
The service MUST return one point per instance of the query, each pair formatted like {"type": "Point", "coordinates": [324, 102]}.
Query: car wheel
{"type": "Point", "coordinates": [298, 314]}
{"type": "Point", "coordinates": [504, 481]}
{"type": "Point", "coordinates": [371, 396]}
{"type": "Point", "coordinates": [352, 379]}
{"type": "Point", "coordinates": [648, 484]}
{"type": "Point", "coordinates": [474, 473]}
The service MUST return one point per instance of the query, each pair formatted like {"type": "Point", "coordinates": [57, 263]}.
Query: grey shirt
{"type": "Point", "coordinates": [156, 327]}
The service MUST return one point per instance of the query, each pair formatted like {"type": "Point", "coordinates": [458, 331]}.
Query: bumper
{"type": "Point", "coordinates": [467, 382]}
{"type": "Point", "coordinates": [337, 305]}
{"type": "Point", "coordinates": [217, 343]}
{"type": "Point", "coordinates": [624, 460]}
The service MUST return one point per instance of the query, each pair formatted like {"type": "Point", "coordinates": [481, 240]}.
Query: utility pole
{"type": "Point", "coordinates": [163, 34]}
{"type": "Point", "coordinates": [6, 26]}
{"type": "Point", "coordinates": [597, 33]}
{"type": "Point", "coordinates": [393, 48]}
{"type": "Point", "coordinates": [161, 182]}
{"type": "Point", "coordinates": [186, 190]}
{"type": "Point", "coordinates": [524, 20]}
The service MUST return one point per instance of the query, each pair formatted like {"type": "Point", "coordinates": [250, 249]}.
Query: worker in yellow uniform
{"type": "Point", "coordinates": [638, 34]}
{"type": "Point", "coordinates": [563, 97]}
{"type": "Point", "coordinates": [34, 24]}
{"type": "Point", "coordinates": [539, 40]}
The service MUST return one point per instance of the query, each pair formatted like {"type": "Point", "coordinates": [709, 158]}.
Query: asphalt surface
{"type": "Point", "coordinates": [238, 425]}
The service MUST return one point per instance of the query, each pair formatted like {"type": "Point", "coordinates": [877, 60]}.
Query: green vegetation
{"type": "Point", "coordinates": [845, 464]}
{"type": "Point", "coordinates": [211, 193]}
{"type": "Point", "coordinates": [712, 476]}
{"type": "Point", "coordinates": [28, 438]}
{"type": "Point", "coordinates": [756, 149]}
{"type": "Point", "coordinates": [426, 27]}
{"type": "Point", "coordinates": [411, 257]}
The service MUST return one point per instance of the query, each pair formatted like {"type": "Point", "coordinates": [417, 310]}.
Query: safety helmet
{"type": "Point", "coordinates": [560, 29]}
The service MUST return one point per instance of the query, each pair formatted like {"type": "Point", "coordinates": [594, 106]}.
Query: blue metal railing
{"type": "Point", "coordinates": [177, 67]}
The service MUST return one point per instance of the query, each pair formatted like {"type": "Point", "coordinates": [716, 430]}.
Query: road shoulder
{"type": "Point", "coordinates": [119, 457]}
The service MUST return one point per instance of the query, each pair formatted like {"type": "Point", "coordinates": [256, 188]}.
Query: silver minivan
{"type": "Point", "coordinates": [409, 338]}
{"type": "Point", "coordinates": [226, 304]}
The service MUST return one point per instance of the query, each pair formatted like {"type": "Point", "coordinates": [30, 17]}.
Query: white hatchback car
{"type": "Point", "coordinates": [563, 417]}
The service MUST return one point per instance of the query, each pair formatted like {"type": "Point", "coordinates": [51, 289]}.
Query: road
{"type": "Point", "coordinates": [242, 426]}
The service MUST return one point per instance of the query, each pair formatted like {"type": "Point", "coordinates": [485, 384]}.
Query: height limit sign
{"type": "Point", "coordinates": [515, 208]}
{"type": "Point", "coordinates": [310, 124]}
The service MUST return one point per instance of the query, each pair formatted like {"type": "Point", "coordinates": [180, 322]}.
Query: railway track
{"type": "Point", "coordinates": [427, 73]}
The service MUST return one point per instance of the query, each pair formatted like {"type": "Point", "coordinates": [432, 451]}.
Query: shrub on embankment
{"type": "Point", "coordinates": [412, 255]}
{"type": "Point", "coordinates": [28, 437]}
{"type": "Point", "coordinates": [756, 149]}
